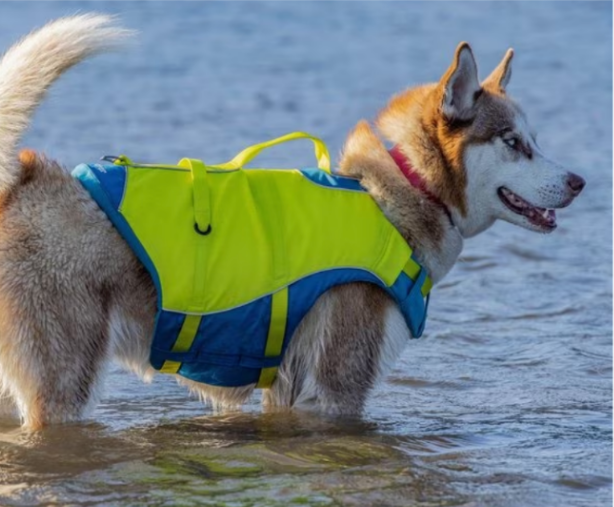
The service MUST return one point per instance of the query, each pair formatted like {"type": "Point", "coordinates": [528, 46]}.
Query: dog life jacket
{"type": "Point", "coordinates": [239, 256]}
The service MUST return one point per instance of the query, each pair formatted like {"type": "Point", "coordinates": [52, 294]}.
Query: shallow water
{"type": "Point", "coordinates": [507, 399]}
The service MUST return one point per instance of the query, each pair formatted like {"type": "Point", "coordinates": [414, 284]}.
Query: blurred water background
{"type": "Point", "coordinates": [505, 402]}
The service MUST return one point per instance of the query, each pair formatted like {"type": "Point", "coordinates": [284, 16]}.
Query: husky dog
{"type": "Point", "coordinates": [73, 296]}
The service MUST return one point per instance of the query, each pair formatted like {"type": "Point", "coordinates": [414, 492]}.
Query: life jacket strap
{"type": "Point", "coordinates": [412, 269]}
{"type": "Point", "coordinates": [202, 201]}
{"type": "Point", "coordinates": [184, 341]}
{"type": "Point", "coordinates": [275, 337]}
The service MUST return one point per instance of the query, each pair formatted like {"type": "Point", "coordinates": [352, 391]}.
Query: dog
{"type": "Point", "coordinates": [73, 296]}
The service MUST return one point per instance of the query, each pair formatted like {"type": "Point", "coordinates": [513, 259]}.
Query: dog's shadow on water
{"type": "Point", "coordinates": [284, 453]}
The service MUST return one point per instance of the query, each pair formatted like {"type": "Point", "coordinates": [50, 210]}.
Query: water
{"type": "Point", "coordinates": [505, 402]}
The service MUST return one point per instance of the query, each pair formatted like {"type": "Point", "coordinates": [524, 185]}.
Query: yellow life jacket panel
{"type": "Point", "coordinates": [239, 256]}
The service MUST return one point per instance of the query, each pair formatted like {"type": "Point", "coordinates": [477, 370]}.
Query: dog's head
{"type": "Point", "coordinates": [477, 151]}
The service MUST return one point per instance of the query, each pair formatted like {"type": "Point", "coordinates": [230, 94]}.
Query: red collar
{"type": "Point", "coordinates": [415, 180]}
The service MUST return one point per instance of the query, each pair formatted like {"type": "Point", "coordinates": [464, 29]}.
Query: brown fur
{"type": "Point", "coordinates": [30, 163]}
{"type": "Point", "coordinates": [419, 220]}
{"type": "Point", "coordinates": [441, 143]}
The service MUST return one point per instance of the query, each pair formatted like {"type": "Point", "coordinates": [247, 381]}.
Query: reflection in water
{"type": "Point", "coordinates": [280, 458]}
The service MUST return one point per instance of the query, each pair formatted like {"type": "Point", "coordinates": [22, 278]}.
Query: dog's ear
{"type": "Point", "coordinates": [500, 77]}
{"type": "Point", "coordinates": [461, 86]}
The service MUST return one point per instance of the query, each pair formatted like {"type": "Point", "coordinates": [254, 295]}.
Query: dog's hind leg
{"type": "Point", "coordinates": [49, 365]}
{"type": "Point", "coordinates": [8, 410]}
{"type": "Point", "coordinates": [340, 350]}
{"type": "Point", "coordinates": [54, 295]}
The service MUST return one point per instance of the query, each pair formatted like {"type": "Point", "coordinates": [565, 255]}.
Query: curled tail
{"type": "Point", "coordinates": [29, 68]}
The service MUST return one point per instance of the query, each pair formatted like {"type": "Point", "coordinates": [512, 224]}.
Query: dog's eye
{"type": "Point", "coordinates": [512, 142]}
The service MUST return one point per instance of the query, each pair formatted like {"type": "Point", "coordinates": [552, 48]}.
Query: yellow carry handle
{"type": "Point", "coordinates": [251, 152]}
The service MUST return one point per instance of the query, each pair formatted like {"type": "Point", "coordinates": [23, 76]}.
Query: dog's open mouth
{"type": "Point", "coordinates": [540, 217]}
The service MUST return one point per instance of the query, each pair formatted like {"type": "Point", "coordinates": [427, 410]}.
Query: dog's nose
{"type": "Point", "coordinates": [575, 183]}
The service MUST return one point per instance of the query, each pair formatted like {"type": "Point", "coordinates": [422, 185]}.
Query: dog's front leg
{"type": "Point", "coordinates": [340, 350]}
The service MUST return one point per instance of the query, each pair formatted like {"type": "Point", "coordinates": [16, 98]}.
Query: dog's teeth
{"type": "Point", "coordinates": [546, 214]}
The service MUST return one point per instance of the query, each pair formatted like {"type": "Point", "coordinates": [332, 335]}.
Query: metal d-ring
{"type": "Point", "coordinates": [202, 233]}
{"type": "Point", "coordinates": [109, 158]}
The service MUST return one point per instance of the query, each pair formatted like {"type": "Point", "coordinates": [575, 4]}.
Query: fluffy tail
{"type": "Point", "coordinates": [29, 68]}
